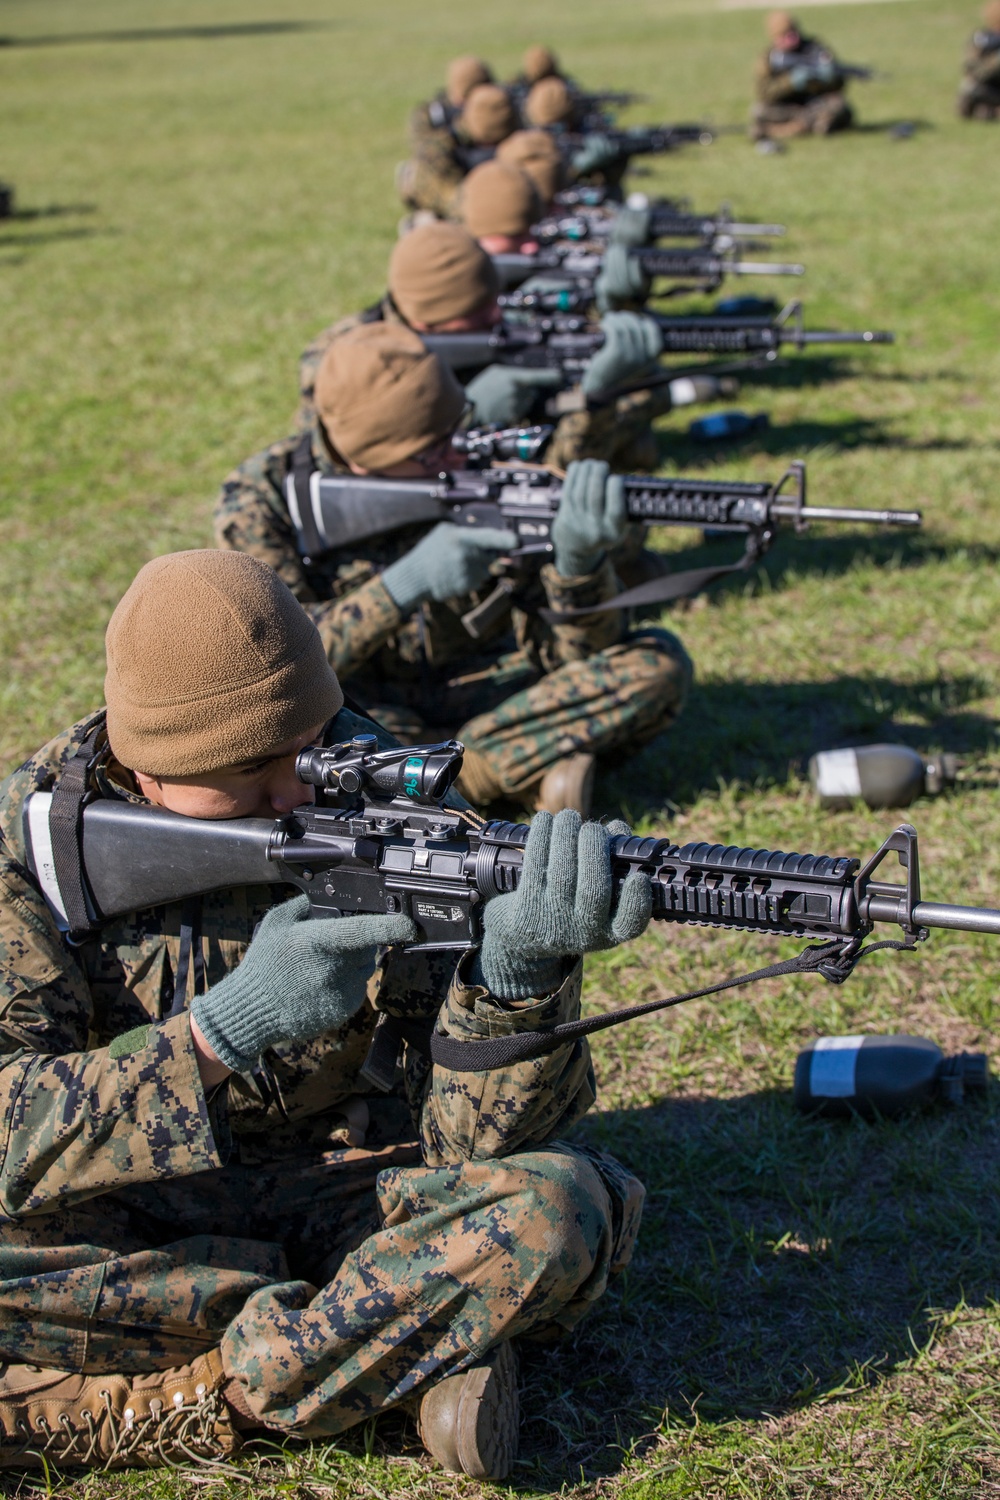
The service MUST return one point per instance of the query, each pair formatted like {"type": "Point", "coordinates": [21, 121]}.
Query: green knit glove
{"type": "Point", "coordinates": [591, 517]}
{"type": "Point", "coordinates": [620, 279]}
{"type": "Point", "coordinates": [561, 909]}
{"type": "Point", "coordinates": [505, 394]}
{"type": "Point", "coordinates": [631, 227]}
{"type": "Point", "coordinates": [631, 343]}
{"type": "Point", "coordinates": [448, 563]}
{"type": "Point", "coordinates": [298, 978]}
{"type": "Point", "coordinates": [597, 153]}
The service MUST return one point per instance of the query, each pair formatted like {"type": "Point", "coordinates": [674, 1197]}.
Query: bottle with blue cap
{"type": "Point", "coordinates": [882, 1075]}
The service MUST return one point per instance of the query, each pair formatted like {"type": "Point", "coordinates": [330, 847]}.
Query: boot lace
{"type": "Point", "coordinates": [168, 1435]}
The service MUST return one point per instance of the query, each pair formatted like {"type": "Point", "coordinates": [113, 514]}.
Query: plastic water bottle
{"type": "Point", "coordinates": [746, 307]}
{"type": "Point", "coordinates": [883, 775]}
{"type": "Point", "coordinates": [885, 1075]}
{"type": "Point", "coordinates": [724, 426]}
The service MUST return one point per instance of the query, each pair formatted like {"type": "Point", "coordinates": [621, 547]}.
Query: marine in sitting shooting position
{"type": "Point", "coordinates": [211, 1222]}
{"type": "Point", "coordinates": [537, 699]}
{"type": "Point", "coordinates": [800, 85]}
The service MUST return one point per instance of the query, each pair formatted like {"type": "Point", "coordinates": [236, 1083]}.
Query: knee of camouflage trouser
{"type": "Point", "coordinates": [657, 674]}
{"type": "Point", "coordinates": [560, 1220]}
{"type": "Point", "coordinates": [595, 1204]}
{"type": "Point", "coordinates": [566, 1208]}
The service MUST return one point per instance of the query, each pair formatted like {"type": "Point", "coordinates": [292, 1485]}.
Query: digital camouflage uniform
{"type": "Point", "coordinates": [979, 93]}
{"type": "Point", "coordinates": [524, 696]}
{"type": "Point", "coordinates": [619, 431]}
{"type": "Point", "coordinates": [783, 110]}
{"type": "Point", "coordinates": [431, 121]}
{"type": "Point", "coordinates": [342, 1248]}
{"type": "Point", "coordinates": [443, 156]}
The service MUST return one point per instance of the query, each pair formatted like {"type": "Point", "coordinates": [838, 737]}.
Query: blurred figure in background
{"type": "Point", "coordinates": [979, 92]}
{"type": "Point", "coordinates": [799, 83]}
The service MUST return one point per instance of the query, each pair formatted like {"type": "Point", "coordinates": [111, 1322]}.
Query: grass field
{"type": "Point", "coordinates": [813, 1310]}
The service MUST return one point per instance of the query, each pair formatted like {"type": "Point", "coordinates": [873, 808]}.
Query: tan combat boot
{"type": "Point", "coordinates": [115, 1421]}
{"type": "Point", "coordinates": [469, 1422]}
{"type": "Point", "coordinates": [568, 783]}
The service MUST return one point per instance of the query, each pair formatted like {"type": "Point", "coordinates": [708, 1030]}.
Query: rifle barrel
{"type": "Point", "coordinates": [764, 268]}
{"type": "Point", "coordinates": [936, 914]}
{"type": "Point", "coordinates": [831, 336]}
{"type": "Point", "coordinates": [847, 513]}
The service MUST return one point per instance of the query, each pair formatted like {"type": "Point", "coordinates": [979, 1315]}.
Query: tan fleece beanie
{"type": "Point", "coordinates": [211, 663]}
{"type": "Point", "coordinates": [778, 22]}
{"type": "Point", "coordinates": [549, 103]}
{"type": "Point", "coordinates": [536, 154]}
{"type": "Point", "coordinates": [383, 397]}
{"type": "Point", "coordinates": [539, 62]}
{"type": "Point", "coordinates": [464, 73]}
{"type": "Point", "coordinates": [437, 272]}
{"type": "Point", "coordinates": [497, 199]}
{"type": "Point", "coordinates": [488, 114]}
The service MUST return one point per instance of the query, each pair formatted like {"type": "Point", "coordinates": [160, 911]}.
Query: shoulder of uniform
{"type": "Point", "coordinates": [265, 468]}
{"type": "Point", "coordinates": [38, 773]}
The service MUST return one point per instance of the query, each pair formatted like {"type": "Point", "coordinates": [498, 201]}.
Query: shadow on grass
{"type": "Point", "coordinates": [51, 211]}
{"type": "Point", "coordinates": [822, 553]}
{"type": "Point", "coordinates": [779, 1259]}
{"type": "Point", "coordinates": [798, 439]}
{"type": "Point", "coordinates": [754, 733]}
{"type": "Point", "coordinates": [167, 33]}
{"type": "Point", "coordinates": [902, 130]}
{"type": "Point", "coordinates": [47, 236]}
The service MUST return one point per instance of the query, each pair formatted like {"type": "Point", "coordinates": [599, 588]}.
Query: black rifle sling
{"type": "Point", "coordinates": [301, 468]}
{"type": "Point", "coordinates": [834, 960]}
{"type": "Point", "coordinates": [66, 828]}
{"type": "Point", "coordinates": [655, 591]}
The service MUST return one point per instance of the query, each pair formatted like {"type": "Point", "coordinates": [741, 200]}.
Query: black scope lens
{"type": "Point", "coordinates": [311, 767]}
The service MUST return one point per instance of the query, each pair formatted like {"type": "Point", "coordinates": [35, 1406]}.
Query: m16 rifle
{"type": "Point", "coordinates": [567, 342]}
{"type": "Point", "coordinates": [650, 140]}
{"type": "Point", "coordinates": [343, 510]}
{"type": "Point", "coordinates": [705, 267]}
{"type": "Point", "coordinates": [719, 231]}
{"type": "Point", "coordinates": [383, 838]}
{"type": "Point", "coordinates": [815, 56]}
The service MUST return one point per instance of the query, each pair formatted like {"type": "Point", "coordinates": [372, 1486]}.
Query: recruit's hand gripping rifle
{"type": "Point", "coordinates": [383, 838]}
{"type": "Point", "coordinates": [346, 509]}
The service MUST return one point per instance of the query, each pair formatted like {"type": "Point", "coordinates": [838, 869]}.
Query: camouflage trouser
{"type": "Point", "coordinates": [821, 116]}
{"type": "Point", "coordinates": [522, 722]}
{"type": "Point", "coordinates": [336, 1287]}
{"type": "Point", "coordinates": [979, 101]}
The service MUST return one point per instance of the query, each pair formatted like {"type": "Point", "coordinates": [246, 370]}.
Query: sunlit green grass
{"type": "Point", "coordinates": [812, 1310]}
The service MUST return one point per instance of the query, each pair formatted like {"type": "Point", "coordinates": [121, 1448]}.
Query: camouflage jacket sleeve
{"type": "Point", "coordinates": [433, 176]}
{"type": "Point", "coordinates": [77, 1120]}
{"type": "Point", "coordinates": [478, 1116]}
{"type": "Point", "coordinates": [354, 627]}
{"type": "Point", "coordinates": [576, 639]}
{"type": "Point", "coordinates": [773, 87]}
{"type": "Point", "coordinates": [251, 516]}
{"type": "Point", "coordinates": [428, 124]}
